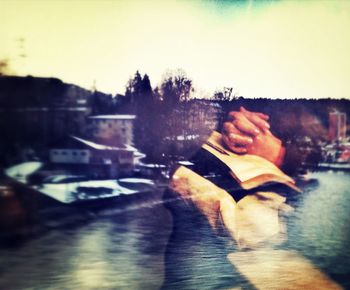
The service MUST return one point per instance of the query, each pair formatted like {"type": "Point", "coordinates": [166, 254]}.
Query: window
{"type": "Point", "coordinates": [83, 153]}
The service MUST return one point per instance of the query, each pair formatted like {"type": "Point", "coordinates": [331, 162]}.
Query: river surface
{"type": "Point", "coordinates": [124, 248]}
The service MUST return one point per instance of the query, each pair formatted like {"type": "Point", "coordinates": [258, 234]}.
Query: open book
{"type": "Point", "coordinates": [250, 171]}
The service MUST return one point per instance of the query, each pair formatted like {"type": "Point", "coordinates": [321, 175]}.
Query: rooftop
{"type": "Point", "coordinates": [114, 117]}
{"type": "Point", "coordinates": [73, 142]}
{"type": "Point", "coordinates": [95, 145]}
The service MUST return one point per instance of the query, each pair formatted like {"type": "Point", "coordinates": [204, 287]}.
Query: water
{"type": "Point", "coordinates": [320, 227]}
{"type": "Point", "coordinates": [124, 249]}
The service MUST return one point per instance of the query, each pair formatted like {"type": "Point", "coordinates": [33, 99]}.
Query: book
{"type": "Point", "coordinates": [250, 171]}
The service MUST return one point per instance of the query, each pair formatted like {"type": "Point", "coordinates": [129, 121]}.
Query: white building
{"type": "Point", "coordinates": [100, 159]}
{"type": "Point", "coordinates": [118, 127]}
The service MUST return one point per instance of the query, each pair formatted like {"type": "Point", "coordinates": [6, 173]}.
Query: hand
{"type": "Point", "coordinates": [269, 147]}
{"type": "Point", "coordinates": [241, 129]}
{"type": "Point", "coordinates": [249, 132]}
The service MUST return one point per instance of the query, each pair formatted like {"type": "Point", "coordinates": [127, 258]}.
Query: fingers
{"type": "Point", "coordinates": [235, 136]}
{"type": "Point", "coordinates": [234, 139]}
{"type": "Point", "coordinates": [243, 124]}
{"type": "Point", "coordinates": [258, 122]}
{"type": "Point", "coordinates": [258, 119]}
{"type": "Point", "coordinates": [261, 115]}
{"type": "Point", "coordinates": [244, 129]}
{"type": "Point", "coordinates": [234, 148]}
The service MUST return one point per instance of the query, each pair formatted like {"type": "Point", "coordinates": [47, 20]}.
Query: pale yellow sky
{"type": "Point", "coordinates": [275, 49]}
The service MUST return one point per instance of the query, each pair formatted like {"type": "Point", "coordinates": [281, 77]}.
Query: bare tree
{"type": "Point", "coordinates": [226, 94]}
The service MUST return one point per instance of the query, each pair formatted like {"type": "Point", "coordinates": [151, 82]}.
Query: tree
{"type": "Point", "coordinates": [175, 88]}
{"type": "Point", "coordinates": [226, 94]}
{"type": "Point", "coordinates": [161, 114]}
{"type": "Point", "coordinates": [141, 101]}
{"type": "Point", "coordinates": [146, 89]}
{"type": "Point", "coordinates": [134, 88]}
{"type": "Point", "coordinates": [175, 94]}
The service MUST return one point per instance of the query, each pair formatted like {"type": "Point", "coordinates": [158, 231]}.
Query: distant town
{"type": "Point", "coordinates": [88, 132]}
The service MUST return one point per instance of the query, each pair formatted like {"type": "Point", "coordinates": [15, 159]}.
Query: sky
{"type": "Point", "coordinates": [276, 49]}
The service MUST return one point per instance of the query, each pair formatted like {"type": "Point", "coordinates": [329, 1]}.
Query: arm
{"type": "Point", "coordinates": [251, 221]}
{"type": "Point", "coordinates": [214, 203]}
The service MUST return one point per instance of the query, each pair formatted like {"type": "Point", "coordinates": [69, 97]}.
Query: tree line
{"type": "Point", "coordinates": [167, 125]}
{"type": "Point", "coordinates": [172, 123]}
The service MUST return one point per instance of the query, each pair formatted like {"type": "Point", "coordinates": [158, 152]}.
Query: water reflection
{"type": "Point", "coordinates": [320, 227]}
{"type": "Point", "coordinates": [124, 249]}
{"type": "Point", "coordinates": [121, 251]}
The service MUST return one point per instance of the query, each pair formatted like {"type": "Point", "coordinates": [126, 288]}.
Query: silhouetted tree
{"type": "Point", "coordinates": [161, 114]}
{"type": "Point", "coordinates": [141, 101]}
{"type": "Point", "coordinates": [226, 94]}
{"type": "Point", "coordinates": [175, 88]}
{"type": "Point", "coordinates": [175, 93]}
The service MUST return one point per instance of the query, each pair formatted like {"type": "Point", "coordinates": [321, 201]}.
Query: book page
{"type": "Point", "coordinates": [244, 167]}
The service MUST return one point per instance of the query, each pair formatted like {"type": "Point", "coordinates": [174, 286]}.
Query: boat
{"type": "Point", "coordinates": [336, 157]}
{"type": "Point", "coordinates": [77, 190]}
{"type": "Point", "coordinates": [83, 191]}
{"type": "Point", "coordinates": [333, 166]}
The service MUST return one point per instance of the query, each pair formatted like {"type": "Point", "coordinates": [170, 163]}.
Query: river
{"type": "Point", "coordinates": [124, 248]}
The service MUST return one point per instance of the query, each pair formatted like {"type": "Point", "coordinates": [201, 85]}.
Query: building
{"type": "Point", "coordinates": [36, 111]}
{"type": "Point", "coordinates": [89, 158]}
{"type": "Point", "coordinates": [337, 126]}
{"type": "Point", "coordinates": [118, 128]}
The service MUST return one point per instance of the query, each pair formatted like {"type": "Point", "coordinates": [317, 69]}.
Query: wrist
{"type": "Point", "coordinates": [277, 152]}
{"type": "Point", "coordinates": [280, 157]}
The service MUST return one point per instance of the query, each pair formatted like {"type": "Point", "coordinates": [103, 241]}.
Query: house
{"type": "Point", "coordinates": [109, 127]}
{"type": "Point", "coordinates": [94, 159]}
